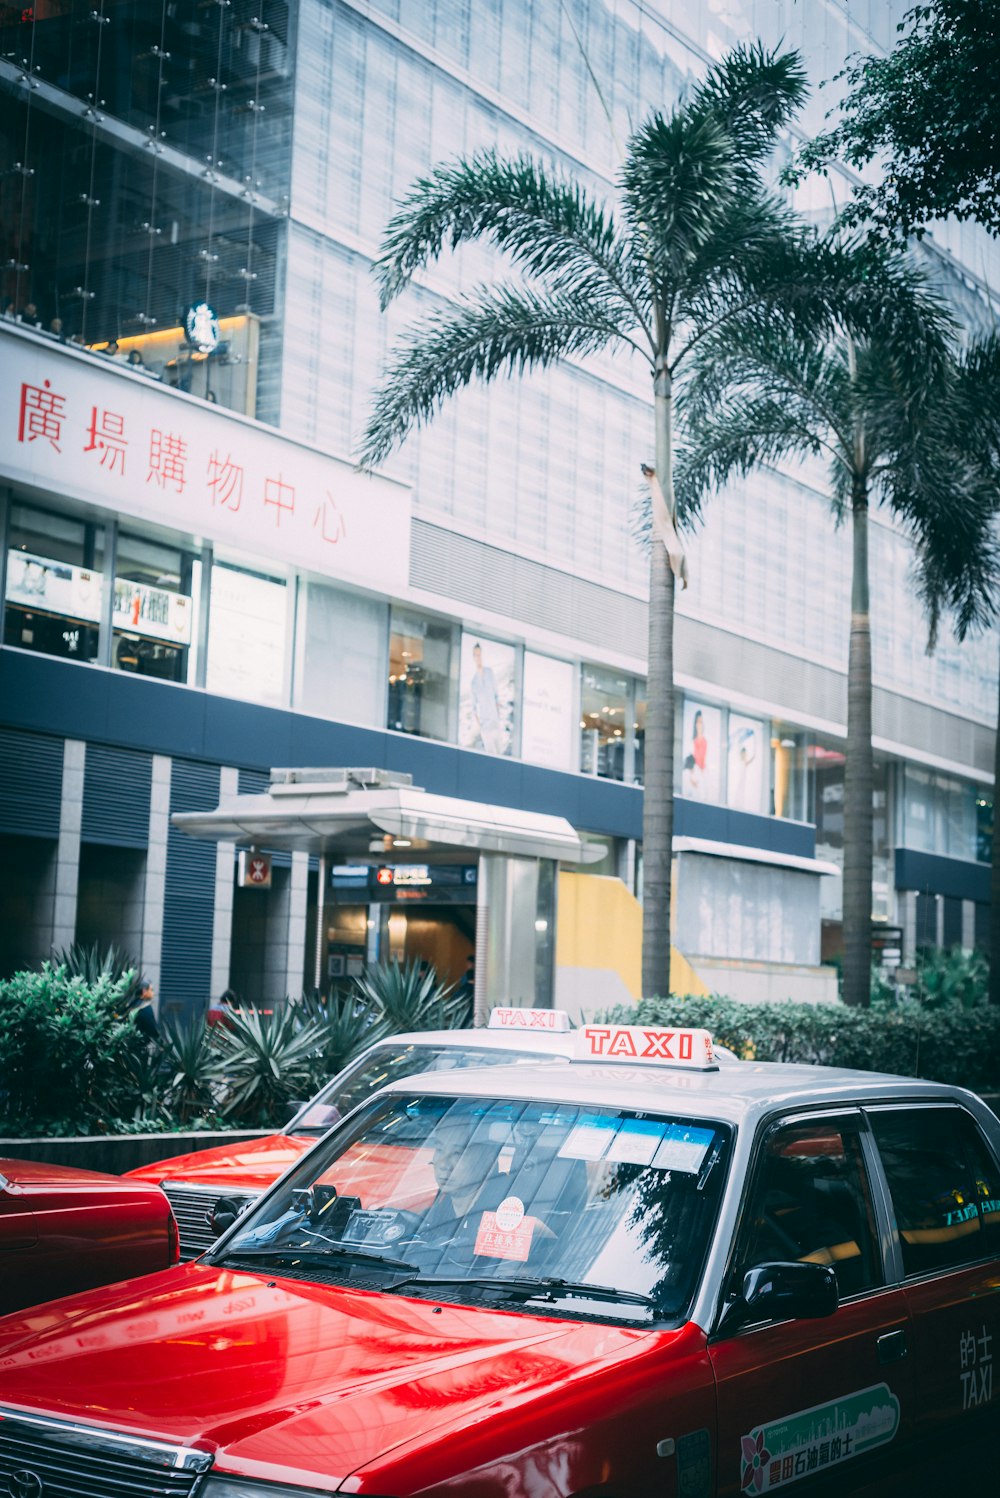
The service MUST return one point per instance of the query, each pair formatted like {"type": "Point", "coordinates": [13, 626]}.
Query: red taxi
{"type": "Point", "coordinates": [63, 1230]}
{"type": "Point", "coordinates": [632, 1275]}
{"type": "Point", "coordinates": [208, 1188]}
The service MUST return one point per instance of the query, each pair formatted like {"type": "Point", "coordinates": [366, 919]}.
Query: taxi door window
{"type": "Point", "coordinates": [944, 1184]}
{"type": "Point", "coordinates": [812, 1203]}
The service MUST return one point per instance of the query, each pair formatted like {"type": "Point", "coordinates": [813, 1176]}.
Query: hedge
{"type": "Point", "coordinates": [958, 1046]}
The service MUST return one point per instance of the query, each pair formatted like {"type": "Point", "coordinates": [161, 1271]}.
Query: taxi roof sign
{"type": "Point", "coordinates": [555, 1021]}
{"type": "Point", "coordinates": [646, 1045]}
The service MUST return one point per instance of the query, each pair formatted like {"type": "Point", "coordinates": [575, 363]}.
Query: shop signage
{"type": "Point", "coordinates": [201, 328]}
{"type": "Point", "coordinates": [253, 869]}
{"type": "Point", "coordinates": [84, 428]}
{"type": "Point", "coordinates": [401, 883]}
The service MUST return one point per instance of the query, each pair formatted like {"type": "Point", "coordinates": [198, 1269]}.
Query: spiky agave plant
{"type": "Point", "coordinates": [694, 239]}
{"type": "Point", "coordinates": [406, 997]}
{"type": "Point", "coordinates": [265, 1060]}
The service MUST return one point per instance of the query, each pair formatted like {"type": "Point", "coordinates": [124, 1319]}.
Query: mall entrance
{"type": "Point", "coordinates": [396, 872]}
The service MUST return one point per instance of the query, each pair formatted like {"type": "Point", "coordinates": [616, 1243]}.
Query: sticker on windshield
{"type": "Point", "coordinates": [589, 1139]}
{"type": "Point", "coordinates": [505, 1233]}
{"type": "Point", "coordinates": [683, 1149]}
{"type": "Point", "coordinates": [636, 1141]}
{"type": "Point", "coordinates": [809, 1441]}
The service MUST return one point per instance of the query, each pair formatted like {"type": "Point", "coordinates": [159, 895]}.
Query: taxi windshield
{"type": "Point", "coordinates": [392, 1062]}
{"type": "Point", "coordinates": [556, 1208]}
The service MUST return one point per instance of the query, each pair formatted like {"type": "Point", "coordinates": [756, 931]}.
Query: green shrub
{"type": "Point", "coordinates": [187, 1073]}
{"type": "Point", "coordinates": [941, 1045]}
{"type": "Point", "coordinates": [70, 1052]}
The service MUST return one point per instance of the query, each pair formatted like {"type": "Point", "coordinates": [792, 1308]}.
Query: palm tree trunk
{"type": "Point", "coordinates": [995, 882]}
{"type": "Point", "coordinates": [658, 800]}
{"type": "Point", "coordinates": [858, 771]}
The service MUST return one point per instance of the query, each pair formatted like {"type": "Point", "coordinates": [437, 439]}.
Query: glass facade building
{"type": "Point", "coordinates": [193, 194]}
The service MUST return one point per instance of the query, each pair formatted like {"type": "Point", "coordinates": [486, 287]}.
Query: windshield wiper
{"type": "Point", "coordinates": [315, 1256]}
{"type": "Point", "coordinates": [547, 1287]}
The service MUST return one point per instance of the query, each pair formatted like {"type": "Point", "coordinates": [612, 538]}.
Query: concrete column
{"type": "Point", "coordinates": [156, 870]}
{"type": "Point", "coordinates": [222, 924]}
{"type": "Point", "coordinates": [968, 924]}
{"type": "Point", "coordinates": [298, 886]}
{"type": "Point", "coordinates": [506, 934]}
{"type": "Point", "coordinates": [907, 906]}
{"type": "Point", "coordinates": [67, 866]}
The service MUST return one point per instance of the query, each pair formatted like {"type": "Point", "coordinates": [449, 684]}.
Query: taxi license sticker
{"type": "Point", "coordinates": [804, 1444]}
{"type": "Point", "coordinates": [495, 1242]}
{"type": "Point", "coordinates": [636, 1141]}
{"type": "Point", "coordinates": [509, 1214]}
{"type": "Point", "coordinates": [683, 1149]}
{"type": "Point", "coordinates": [589, 1139]}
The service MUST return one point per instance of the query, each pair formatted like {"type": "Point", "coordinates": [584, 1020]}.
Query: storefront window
{"type": "Point", "coordinates": [420, 671]}
{"type": "Point", "coordinates": [55, 583]}
{"type": "Point", "coordinates": [247, 628]}
{"type": "Point", "coordinates": [790, 770]}
{"type": "Point", "coordinates": [939, 814]}
{"type": "Point", "coordinates": [339, 654]}
{"type": "Point", "coordinates": [828, 770]}
{"type": "Point", "coordinates": [153, 619]}
{"type": "Point", "coordinates": [639, 732]}
{"type": "Point", "coordinates": [984, 830]}
{"type": "Point", "coordinates": [604, 702]}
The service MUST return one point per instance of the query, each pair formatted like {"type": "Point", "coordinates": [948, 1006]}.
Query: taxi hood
{"type": "Point", "coordinates": [267, 1373]}
{"type": "Point", "coordinates": [251, 1166]}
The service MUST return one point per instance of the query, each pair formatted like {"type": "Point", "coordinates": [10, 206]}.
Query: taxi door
{"type": "Point", "coordinates": [944, 1189]}
{"type": "Point", "coordinates": [816, 1405]}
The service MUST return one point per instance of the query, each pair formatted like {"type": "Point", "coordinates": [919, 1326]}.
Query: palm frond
{"type": "Point", "coordinates": [548, 225]}
{"type": "Point", "coordinates": [753, 93]}
{"type": "Point", "coordinates": [750, 431]}
{"type": "Point", "coordinates": [496, 330]}
{"type": "Point", "coordinates": [676, 180]}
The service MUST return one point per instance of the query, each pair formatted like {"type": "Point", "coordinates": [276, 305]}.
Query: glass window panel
{"type": "Point", "coordinates": [812, 1203]}
{"type": "Point", "coordinates": [603, 710]}
{"type": "Point", "coordinates": [944, 1184]}
{"type": "Point", "coordinates": [55, 586]}
{"type": "Point", "coordinates": [339, 655]}
{"type": "Point", "coordinates": [246, 634]}
{"type": "Point", "coordinates": [420, 675]}
{"type": "Point", "coordinates": [154, 611]}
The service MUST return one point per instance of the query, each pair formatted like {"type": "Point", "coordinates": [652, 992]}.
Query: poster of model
{"type": "Point", "coordinates": [701, 756]}
{"type": "Point", "coordinates": [486, 701]}
{"type": "Point", "coordinates": [747, 765]}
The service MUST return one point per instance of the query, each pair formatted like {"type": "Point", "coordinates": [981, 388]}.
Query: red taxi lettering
{"type": "Point", "coordinates": [596, 1037]}
{"type": "Point", "coordinates": [658, 1044]}
{"type": "Point", "coordinates": [622, 1044]}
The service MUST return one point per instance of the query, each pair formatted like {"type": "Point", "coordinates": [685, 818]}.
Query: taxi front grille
{"type": "Point", "coordinates": [62, 1460]}
{"type": "Point", "coordinates": [192, 1208]}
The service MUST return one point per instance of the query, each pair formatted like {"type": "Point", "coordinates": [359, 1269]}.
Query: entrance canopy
{"type": "Point", "coordinates": [367, 812]}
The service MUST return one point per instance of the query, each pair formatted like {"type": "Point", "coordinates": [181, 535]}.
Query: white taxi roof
{"type": "Point", "coordinates": [736, 1094]}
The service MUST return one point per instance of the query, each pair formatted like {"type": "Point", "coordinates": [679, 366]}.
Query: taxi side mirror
{"type": "Point", "coordinates": [782, 1292]}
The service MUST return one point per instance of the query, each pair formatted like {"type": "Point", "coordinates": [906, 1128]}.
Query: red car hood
{"type": "Point", "coordinates": [252, 1166]}
{"type": "Point", "coordinates": [286, 1380]}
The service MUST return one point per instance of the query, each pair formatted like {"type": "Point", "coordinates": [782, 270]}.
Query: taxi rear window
{"type": "Point", "coordinates": [944, 1184]}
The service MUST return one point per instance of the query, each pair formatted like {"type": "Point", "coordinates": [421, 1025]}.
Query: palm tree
{"type": "Point", "coordinates": [864, 399]}
{"type": "Point", "coordinates": [963, 577]}
{"type": "Point", "coordinates": [695, 241]}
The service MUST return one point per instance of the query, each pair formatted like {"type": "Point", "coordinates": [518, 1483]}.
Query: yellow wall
{"type": "Point", "coordinates": [600, 927]}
